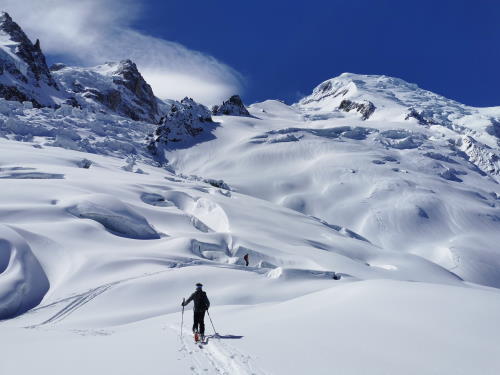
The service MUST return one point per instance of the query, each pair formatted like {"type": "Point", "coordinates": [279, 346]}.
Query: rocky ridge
{"type": "Point", "coordinates": [232, 107]}
{"type": "Point", "coordinates": [118, 87]}
{"type": "Point", "coordinates": [184, 121]}
{"type": "Point", "coordinates": [24, 74]}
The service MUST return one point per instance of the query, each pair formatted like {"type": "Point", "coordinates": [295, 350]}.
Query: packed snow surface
{"type": "Point", "coordinates": [372, 229]}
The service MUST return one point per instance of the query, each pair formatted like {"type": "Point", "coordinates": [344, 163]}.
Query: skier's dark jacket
{"type": "Point", "coordinates": [200, 299]}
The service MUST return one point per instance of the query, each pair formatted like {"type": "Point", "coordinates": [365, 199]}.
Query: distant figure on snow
{"type": "Point", "coordinates": [201, 304]}
{"type": "Point", "coordinates": [246, 259]}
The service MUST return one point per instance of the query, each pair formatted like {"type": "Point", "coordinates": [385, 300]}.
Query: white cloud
{"type": "Point", "coordinates": [91, 32]}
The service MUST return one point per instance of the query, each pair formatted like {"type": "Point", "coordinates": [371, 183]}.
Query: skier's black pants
{"type": "Point", "coordinates": [199, 323]}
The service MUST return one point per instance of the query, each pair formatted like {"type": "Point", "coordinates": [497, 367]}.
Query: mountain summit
{"type": "Point", "coordinates": [379, 97]}
{"type": "Point", "coordinates": [24, 74]}
{"type": "Point", "coordinates": [115, 86]}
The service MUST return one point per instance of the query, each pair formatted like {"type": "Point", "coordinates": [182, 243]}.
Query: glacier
{"type": "Point", "coordinates": [370, 211]}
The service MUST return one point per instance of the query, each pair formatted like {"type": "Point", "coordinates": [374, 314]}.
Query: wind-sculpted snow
{"type": "Point", "coordinates": [21, 173]}
{"type": "Point", "coordinates": [205, 211]}
{"type": "Point", "coordinates": [300, 274]}
{"type": "Point", "coordinates": [155, 200]}
{"type": "Point", "coordinates": [114, 216]}
{"type": "Point", "coordinates": [295, 134]}
{"type": "Point", "coordinates": [357, 228]}
{"type": "Point", "coordinates": [396, 183]}
{"type": "Point", "coordinates": [23, 282]}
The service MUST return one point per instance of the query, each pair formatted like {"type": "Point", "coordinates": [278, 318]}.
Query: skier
{"type": "Point", "coordinates": [246, 259]}
{"type": "Point", "coordinates": [201, 304]}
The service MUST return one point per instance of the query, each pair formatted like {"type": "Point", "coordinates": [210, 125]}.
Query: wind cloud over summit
{"type": "Point", "coordinates": [90, 32]}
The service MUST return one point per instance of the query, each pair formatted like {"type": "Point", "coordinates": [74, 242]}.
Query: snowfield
{"type": "Point", "coordinates": [372, 237]}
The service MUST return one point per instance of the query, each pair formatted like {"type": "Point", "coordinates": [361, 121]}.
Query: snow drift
{"type": "Point", "coordinates": [23, 282]}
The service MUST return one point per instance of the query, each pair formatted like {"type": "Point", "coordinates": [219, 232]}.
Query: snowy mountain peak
{"type": "Point", "coordinates": [4, 17]}
{"type": "Point", "coordinates": [24, 74]}
{"type": "Point", "coordinates": [384, 98]}
{"type": "Point", "coordinates": [385, 93]}
{"type": "Point", "coordinates": [113, 86]}
{"type": "Point", "coordinates": [116, 87]}
{"type": "Point", "coordinates": [349, 85]}
{"type": "Point", "coordinates": [14, 38]}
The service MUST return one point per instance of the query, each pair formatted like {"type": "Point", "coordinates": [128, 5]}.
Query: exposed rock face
{"type": "Point", "coordinates": [13, 93]}
{"type": "Point", "coordinates": [421, 117]}
{"type": "Point", "coordinates": [128, 76]}
{"type": "Point", "coordinates": [232, 107]}
{"type": "Point", "coordinates": [365, 108]}
{"type": "Point", "coordinates": [185, 120]}
{"type": "Point", "coordinates": [417, 116]}
{"type": "Point", "coordinates": [24, 75]}
{"type": "Point", "coordinates": [119, 87]}
{"type": "Point", "coordinates": [57, 66]}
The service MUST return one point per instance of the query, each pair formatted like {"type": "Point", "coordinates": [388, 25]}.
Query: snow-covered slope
{"type": "Point", "coordinates": [429, 189]}
{"type": "Point", "coordinates": [369, 211]}
{"type": "Point", "coordinates": [119, 256]}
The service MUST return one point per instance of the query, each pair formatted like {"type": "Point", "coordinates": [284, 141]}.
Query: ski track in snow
{"type": "Point", "coordinates": [80, 300]}
{"type": "Point", "coordinates": [77, 303]}
{"type": "Point", "coordinates": [217, 357]}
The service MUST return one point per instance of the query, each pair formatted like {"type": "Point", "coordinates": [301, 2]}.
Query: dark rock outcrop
{"type": "Point", "coordinates": [185, 121]}
{"type": "Point", "coordinates": [366, 108]}
{"type": "Point", "coordinates": [57, 66]}
{"type": "Point", "coordinates": [128, 76]}
{"type": "Point", "coordinates": [421, 117]}
{"type": "Point", "coordinates": [232, 107]}
{"type": "Point", "coordinates": [14, 94]}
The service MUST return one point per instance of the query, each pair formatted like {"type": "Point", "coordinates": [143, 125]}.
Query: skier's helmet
{"type": "Point", "coordinates": [199, 285]}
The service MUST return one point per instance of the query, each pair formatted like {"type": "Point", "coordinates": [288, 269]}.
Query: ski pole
{"type": "Point", "coordinates": [216, 334]}
{"type": "Point", "coordinates": [182, 319]}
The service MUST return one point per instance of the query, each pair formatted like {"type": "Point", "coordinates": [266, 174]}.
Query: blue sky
{"type": "Point", "coordinates": [284, 48]}
{"type": "Point", "coordinates": [276, 49]}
